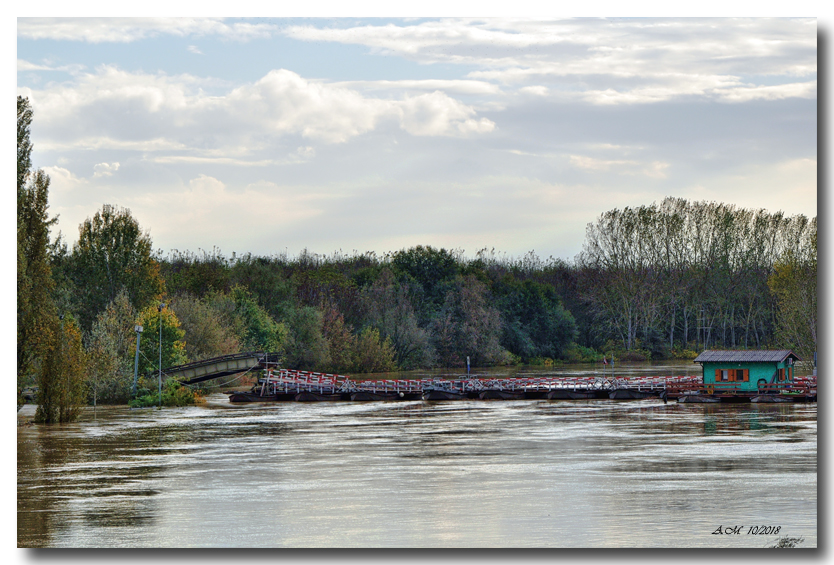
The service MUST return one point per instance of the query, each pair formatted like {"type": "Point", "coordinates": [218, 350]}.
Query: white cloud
{"type": "Point", "coordinates": [62, 179]}
{"type": "Point", "coordinates": [535, 90]}
{"type": "Point", "coordinates": [105, 169]}
{"type": "Point", "coordinates": [654, 169]}
{"type": "Point", "coordinates": [438, 114]}
{"type": "Point", "coordinates": [454, 86]}
{"type": "Point", "coordinates": [125, 30]}
{"type": "Point", "coordinates": [23, 65]}
{"type": "Point", "coordinates": [777, 92]}
{"type": "Point", "coordinates": [194, 49]}
{"type": "Point", "coordinates": [611, 61]}
{"type": "Point", "coordinates": [159, 112]}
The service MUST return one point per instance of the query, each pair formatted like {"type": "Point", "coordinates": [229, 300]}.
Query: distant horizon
{"type": "Point", "coordinates": [464, 253]}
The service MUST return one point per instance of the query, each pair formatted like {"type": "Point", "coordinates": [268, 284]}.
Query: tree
{"type": "Point", "coordinates": [433, 271]}
{"type": "Point", "coordinates": [373, 353]}
{"type": "Point", "coordinates": [111, 346]}
{"type": "Point", "coordinates": [468, 326]}
{"type": "Point", "coordinates": [61, 384]}
{"type": "Point", "coordinates": [794, 283]}
{"type": "Point", "coordinates": [208, 331]}
{"type": "Point", "coordinates": [24, 145]}
{"type": "Point", "coordinates": [35, 307]}
{"type": "Point", "coordinates": [341, 343]}
{"type": "Point", "coordinates": [261, 332]}
{"type": "Point", "coordinates": [535, 323]}
{"type": "Point", "coordinates": [391, 312]}
{"type": "Point", "coordinates": [112, 253]}
{"type": "Point", "coordinates": [307, 348]}
{"type": "Point", "coordinates": [173, 346]}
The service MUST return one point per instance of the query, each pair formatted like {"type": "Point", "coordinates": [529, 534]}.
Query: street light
{"type": "Point", "coordinates": [138, 330]}
{"type": "Point", "coordinates": [161, 306]}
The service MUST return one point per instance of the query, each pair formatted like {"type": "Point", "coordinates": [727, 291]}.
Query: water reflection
{"type": "Point", "coordinates": [466, 473]}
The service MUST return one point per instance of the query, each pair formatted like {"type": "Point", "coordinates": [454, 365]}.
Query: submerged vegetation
{"type": "Point", "coordinates": [656, 281]}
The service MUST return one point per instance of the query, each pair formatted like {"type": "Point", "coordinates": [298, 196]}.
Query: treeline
{"type": "Point", "coordinates": [701, 275]}
{"type": "Point", "coordinates": [656, 281]}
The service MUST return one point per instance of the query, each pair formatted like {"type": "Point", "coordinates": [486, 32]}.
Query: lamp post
{"type": "Point", "coordinates": [62, 369]}
{"type": "Point", "coordinates": [138, 330]}
{"type": "Point", "coordinates": [161, 306]}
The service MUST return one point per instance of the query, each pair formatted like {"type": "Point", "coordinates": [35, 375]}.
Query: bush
{"type": "Point", "coordinates": [541, 362]}
{"type": "Point", "coordinates": [683, 353]}
{"type": "Point", "coordinates": [173, 394]}
{"type": "Point", "coordinates": [581, 354]}
{"type": "Point", "coordinates": [634, 355]}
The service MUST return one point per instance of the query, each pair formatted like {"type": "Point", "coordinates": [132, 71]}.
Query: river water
{"type": "Point", "coordinates": [534, 473]}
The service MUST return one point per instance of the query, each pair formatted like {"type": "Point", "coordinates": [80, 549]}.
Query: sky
{"type": "Point", "coordinates": [271, 136]}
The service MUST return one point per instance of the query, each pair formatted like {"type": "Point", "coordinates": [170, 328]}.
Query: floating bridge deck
{"type": "Point", "coordinates": [275, 383]}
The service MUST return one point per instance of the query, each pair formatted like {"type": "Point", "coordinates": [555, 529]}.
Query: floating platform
{"type": "Point", "coordinates": [278, 385]}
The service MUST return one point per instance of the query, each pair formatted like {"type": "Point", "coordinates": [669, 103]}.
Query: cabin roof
{"type": "Point", "coordinates": [755, 356]}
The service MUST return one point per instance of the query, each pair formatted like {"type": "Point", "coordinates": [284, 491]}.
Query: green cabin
{"type": "Point", "coordinates": [747, 371]}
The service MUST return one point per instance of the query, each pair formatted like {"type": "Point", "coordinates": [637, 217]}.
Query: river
{"type": "Point", "coordinates": [531, 473]}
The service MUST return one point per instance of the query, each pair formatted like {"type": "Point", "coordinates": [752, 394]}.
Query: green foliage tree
{"type": "Point", "coordinates": [24, 144]}
{"type": "Point", "coordinates": [35, 306]}
{"type": "Point", "coordinates": [111, 346]}
{"type": "Point", "coordinates": [61, 379]}
{"type": "Point", "coordinates": [186, 272]}
{"type": "Point", "coordinates": [209, 332]}
{"type": "Point", "coordinates": [433, 271]}
{"type": "Point", "coordinates": [173, 346]}
{"type": "Point", "coordinates": [794, 283]}
{"type": "Point", "coordinates": [695, 270]}
{"type": "Point", "coordinates": [341, 343]}
{"type": "Point", "coordinates": [389, 309]}
{"type": "Point", "coordinates": [260, 331]}
{"type": "Point", "coordinates": [307, 347]}
{"type": "Point", "coordinates": [535, 324]}
{"type": "Point", "coordinates": [373, 353]}
{"type": "Point", "coordinates": [468, 326]}
{"type": "Point", "coordinates": [112, 253]}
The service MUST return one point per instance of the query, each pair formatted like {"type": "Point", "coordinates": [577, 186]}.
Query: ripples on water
{"type": "Point", "coordinates": [420, 474]}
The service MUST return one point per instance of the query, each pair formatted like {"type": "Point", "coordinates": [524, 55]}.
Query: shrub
{"type": "Point", "coordinates": [580, 354]}
{"type": "Point", "coordinates": [173, 394]}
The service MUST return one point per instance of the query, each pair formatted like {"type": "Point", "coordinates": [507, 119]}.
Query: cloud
{"type": "Point", "coordinates": [615, 61]}
{"type": "Point", "coordinates": [113, 108]}
{"type": "Point", "coordinates": [126, 30]}
{"type": "Point", "coordinates": [455, 86]}
{"type": "Point", "coordinates": [23, 66]}
{"type": "Point", "coordinates": [654, 169]}
{"type": "Point", "coordinates": [777, 92]}
{"type": "Point", "coordinates": [194, 49]}
{"type": "Point", "coordinates": [438, 114]}
{"type": "Point", "coordinates": [63, 179]}
{"type": "Point", "coordinates": [105, 169]}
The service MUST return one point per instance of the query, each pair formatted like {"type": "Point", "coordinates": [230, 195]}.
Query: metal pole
{"type": "Point", "coordinates": [138, 330]}
{"type": "Point", "coordinates": [161, 306]}
{"type": "Point", "coordinates": [61, 364]}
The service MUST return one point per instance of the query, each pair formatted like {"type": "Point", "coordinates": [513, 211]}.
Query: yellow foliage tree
{"type": "Point", "coordinates": [61, 379]}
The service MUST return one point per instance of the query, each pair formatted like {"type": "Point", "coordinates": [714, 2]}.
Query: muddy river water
{"type": "Point", "coordinates": [528, 473]}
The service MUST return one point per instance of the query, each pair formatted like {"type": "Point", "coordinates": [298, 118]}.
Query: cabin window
{"type": "Point", "coordinates": [781, 374]}
{"type": "Point", "coordinates": [732, 375]}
